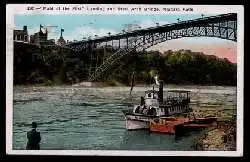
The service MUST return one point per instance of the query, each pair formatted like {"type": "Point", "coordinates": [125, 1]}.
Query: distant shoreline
{"type": "Point", "coordinates": [103, 84]}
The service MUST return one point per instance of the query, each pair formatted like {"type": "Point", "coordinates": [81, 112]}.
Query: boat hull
{"type": "Point", "coordinates": [206, 120]}
{"type": "Point", "coordinates": [180, 125]}
{"type": "Point", "coordinates": [136, 124]}
{"type": "Point", "coordinates": [197, 124]}
{"type": "Point", "coordinates": [134, 121]}
{"type": "Point", "coordinates": [168, 127]}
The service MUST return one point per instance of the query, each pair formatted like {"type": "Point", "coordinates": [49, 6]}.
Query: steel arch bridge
{"type": "Point", "coordinates": [221, 26]}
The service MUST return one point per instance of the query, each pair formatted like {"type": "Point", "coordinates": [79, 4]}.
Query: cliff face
{"type": "Point", "coordinates": [33, 65]}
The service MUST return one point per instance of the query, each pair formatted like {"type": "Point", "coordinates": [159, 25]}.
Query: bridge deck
{"type": "Point", "coordinates": [167, 27]}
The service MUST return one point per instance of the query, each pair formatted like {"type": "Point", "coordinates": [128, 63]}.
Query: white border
{"type": "Point", "coordinates": [12, 9]}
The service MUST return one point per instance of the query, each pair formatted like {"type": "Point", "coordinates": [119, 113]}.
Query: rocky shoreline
{"type": "Point", "coordinates": [219, 137]}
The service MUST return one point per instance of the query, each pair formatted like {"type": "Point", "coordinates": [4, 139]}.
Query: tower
{"type": "Point", "coordinates": [25, 31]}
{"type": "Point", "coordinates": [25, 34]}
{"type": "Point", "coordinates": [61, 41]}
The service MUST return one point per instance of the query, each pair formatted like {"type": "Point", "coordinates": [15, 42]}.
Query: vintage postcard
{"type": "Point", "coordinates": [102, 79]}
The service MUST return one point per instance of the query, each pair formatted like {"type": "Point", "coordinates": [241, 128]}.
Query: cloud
{"type": "Point", "coordinates": [136, 25]}
{"type": "Point", "coordinates": [33, 30]}
{"type": "Point", "coordinates": [150, 23]}
{"type": "Point", "coordinates": [85, 31]}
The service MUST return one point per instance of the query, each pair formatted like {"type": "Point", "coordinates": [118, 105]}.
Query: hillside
{"type": "Point", "coordinates": [33, 65]}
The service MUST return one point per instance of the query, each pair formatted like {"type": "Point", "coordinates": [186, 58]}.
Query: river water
{"type": "Point", "coordinates": [91, 118]}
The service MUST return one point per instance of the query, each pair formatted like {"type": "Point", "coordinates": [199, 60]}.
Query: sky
{"type": "Point", "coordinates": [78, 26]}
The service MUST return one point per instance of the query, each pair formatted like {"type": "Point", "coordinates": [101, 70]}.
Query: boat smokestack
{"type": "Point", "coordinates": [160, 95]}
{"type": "Point", "coordinates": [142, 101]}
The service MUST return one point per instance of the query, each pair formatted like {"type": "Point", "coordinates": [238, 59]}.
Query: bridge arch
{"type": "Point", "coordinates": [189, 37]}
{"type": "Point", "coordinates": [140, 46]}
{"type": "Point", "coordinates": [221, 26]}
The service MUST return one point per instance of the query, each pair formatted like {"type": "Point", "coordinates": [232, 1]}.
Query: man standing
{"type": "Point", "coordinates": [34, 138]}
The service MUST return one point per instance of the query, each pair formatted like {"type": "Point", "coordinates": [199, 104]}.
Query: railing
{"type": "Point", "coordinates": [137, 32]}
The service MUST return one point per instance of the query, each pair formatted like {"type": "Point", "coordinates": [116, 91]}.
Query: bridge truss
{"type": "Point", "coordinates": [221, 26]}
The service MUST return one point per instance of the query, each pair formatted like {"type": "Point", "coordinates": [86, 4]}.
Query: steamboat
{"type": "Point", "coordinates": [155, 105]}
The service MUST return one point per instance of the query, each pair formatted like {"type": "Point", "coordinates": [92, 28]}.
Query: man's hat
{"type": "Point", "coordinates": [34, 125]}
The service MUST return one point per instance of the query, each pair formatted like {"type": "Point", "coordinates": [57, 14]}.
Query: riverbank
{"type": "Point", "coordinates": [81, 84]}
{"type": "Point", "coordinates": [116, 84]}
{"type": "Point", "coordinates": [219, 137]}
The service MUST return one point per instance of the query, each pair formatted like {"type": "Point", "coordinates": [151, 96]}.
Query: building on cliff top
{"type": "Point", "coordinates": [21, 35]}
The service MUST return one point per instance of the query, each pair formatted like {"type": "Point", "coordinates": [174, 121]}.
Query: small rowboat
{"type": "Point", "coordinates": [205, 120]}
{"type": "Point", "coordinates": [196, 125]}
